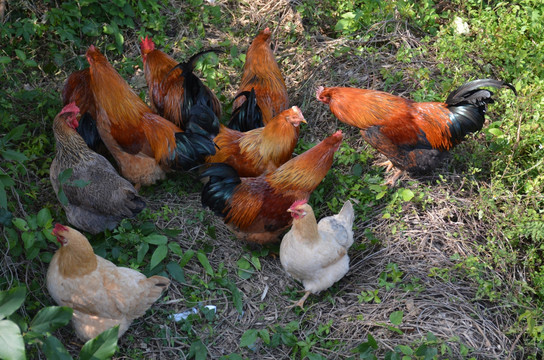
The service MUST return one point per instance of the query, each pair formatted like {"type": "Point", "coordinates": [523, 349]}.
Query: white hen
{"type": "Point", "coordinates": [316, 254]}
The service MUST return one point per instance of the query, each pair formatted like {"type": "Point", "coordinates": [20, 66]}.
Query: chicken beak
{"type": "Point", "coordinates": [289, 210]}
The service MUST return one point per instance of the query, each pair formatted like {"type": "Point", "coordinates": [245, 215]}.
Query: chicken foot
{"type": "Point", "coordinates": [300, 303]}
{"type": "Point", "coordinates": [396, 173]}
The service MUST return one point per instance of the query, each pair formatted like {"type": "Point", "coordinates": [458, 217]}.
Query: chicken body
{"type": "Point", "coordinates": [316, 253]}
{"type": "Point", "coordinates": [413, 136]}
{"type": "Point", "coordinates": [143, 144]}
{"type": "Point", "coordinates": [101, 294]}
{"type": "Point", "coordinates": [259, 150]}
{"type": "Point", "coordinates": [107, 198]}
{"type": "Point", "coordinates": [262, 75]}
{"type": "Point", "coordinates": [174, 88]}
{"type": "Point", "coordinates": [256, 208]}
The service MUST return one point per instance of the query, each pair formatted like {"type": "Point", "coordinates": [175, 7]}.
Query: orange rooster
{"type": "Point", "coordinates": [262, 75]}
{"type": "Point", "coordinates": [143, 144]}
{"type": "Point", "coordinates": [256, 208]}
{"type": "Point", "coordinates": [173, 87]}
{"type": "Point", "coordinates": [259, 150]}
{"type": "Point", "coordinates": [413, 136]}
{"type": "Point", "coordinates": [101, 294]}
{"type": "Point", "coordinates": [77, 89]}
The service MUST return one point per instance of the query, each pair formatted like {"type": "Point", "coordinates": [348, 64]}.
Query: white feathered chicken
{"type": "Point", "coordinates": [316, 253]}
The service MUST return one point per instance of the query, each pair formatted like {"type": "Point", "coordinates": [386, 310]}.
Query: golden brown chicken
{"type": "Point", "coordinates": [101, 294]}
{"type": "Point", "coordinates": [259, 150]}
{"type": "Point", "coordinates": [256, 208]}
{"type": "Point", "coordinates": [144, 145]}
{"type": "Point", "coordinates": [263, 76]}
{"type": "Point", "coordinates": [317, 253]}
{"type": "Point", "coordinates": [174, 88]}
{"type": "Point", "coordinates": [103, 198]}
{"type": "Point", "coordinates": [413, 136]}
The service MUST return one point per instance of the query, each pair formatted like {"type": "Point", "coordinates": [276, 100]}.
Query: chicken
{"type": "Point", "coordinates": [413, 136]}
{"type": "Point", "coordinates": [261, 74]}
{"type": "Point", "coordinates": [317, 253]}
{"type": "Point", "coordinates": [77, 89]}
{"type": "Point", "coordinates": [259, 150]}
{"type": "Point", "coordinates": [106, 198]}
{"type": "Point", "coordinates": [255, 208]}
{"type": "Point", "coordinates": [101, 294]}
{"type": "Point", "coordinates": [144, 145]}
{"type": "Point", "coordinates": [174, 88]}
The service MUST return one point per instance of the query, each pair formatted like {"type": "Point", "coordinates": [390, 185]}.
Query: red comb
{"type": "Point", "coordinates": [299, 203]}
{"type": "Point", "coordinates": [59, 227]}
{"type": "Point", "coordinates": [318, 91]}
{"type": "Point", "coordinates": [147, 44]}
{"type": "Point", "coordinates": [70, 108]}
{"type": "Point", "coordinates": [92, 48]}
{"type": "Point", "coordinates": [266, 30]}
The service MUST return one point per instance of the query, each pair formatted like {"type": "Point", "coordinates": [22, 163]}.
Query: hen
{"type": "Point", "coordinates": [256, 208]}
{"type": "Point", "coordinates": [143, 144]}
{"type": "Point", "coordinates": [413, 136]}
{"type": "Point", "coordinates": [174, 88]}
{"type": "Point", "coordinates": [317, 253]}
{"type": "Point", "coordinates": [77, 89]}
{"type": "Point", "coordinates": [262, 75]}
{"type": "Point", "coordinates": [259, 150]}
{"type": "Point", "coordinates": [101, 294]}
{"type": "Point", "coordinates": [106, 198]}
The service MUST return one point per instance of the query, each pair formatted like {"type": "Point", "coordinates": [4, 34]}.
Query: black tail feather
{"type": "Point", "coordinates": [191, 150]}
{"type": "Point", "coordinates": [222, 183]}
{"type": "Point", "coordinates": [194, 91]}
{"type": "Point", "coordinates": [468, 105]}
{"type": "Point", "coordinates": [202, 120]}
{"type": "Point", "coordinates": [248, 116]}
{"type": "Point", "coordinates": [89, 132]}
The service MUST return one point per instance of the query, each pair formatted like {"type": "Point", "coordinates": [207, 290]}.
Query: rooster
{"type": "Point", "coordinates": [259, 150]}
{"type": "Point", "coordinates": [317, 253]}
{"type": "Point", "coordinates": [107, 198]}
{"type": "Point", "coordinates": [101, 294]}
{"type": "Point", "coordinates": [261, 75]}
{"type": "Point", "coordinates": [413, 136]}
{"type": "Point", "coordinates": [256, 208]}
{"type": "Point", "coordinates": [143, 144]}
{"type": "Point", "coordinates": [174, 88]}
{"type": "Point", "coordinates": [77, 89]}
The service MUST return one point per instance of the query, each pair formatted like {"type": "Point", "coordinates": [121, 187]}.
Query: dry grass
{"type": "Point", "coordinates": [425, 238]}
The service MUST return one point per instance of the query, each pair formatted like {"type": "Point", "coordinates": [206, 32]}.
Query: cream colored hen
{"type": "Point", "coordinates": [101, 294]}
{"type": "Point", "coordinates": [316, 253]}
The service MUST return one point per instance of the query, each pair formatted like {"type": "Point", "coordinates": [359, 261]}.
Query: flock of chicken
{"type": "Point", "coordinates": [250, 177]}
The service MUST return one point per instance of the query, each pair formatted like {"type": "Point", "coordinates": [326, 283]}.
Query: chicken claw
{"type": "Point", "coordinates": [392, 179]}
{"type": "Point", "coordinates": [300, 303]}
{"type": "Point", "coordinates": [388, 165]}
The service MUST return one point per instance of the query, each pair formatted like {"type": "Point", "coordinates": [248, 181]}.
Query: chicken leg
{"type": "Point", "coordinates": [390, 168]}
{"type": "Point", "coordinates": [300, 303]}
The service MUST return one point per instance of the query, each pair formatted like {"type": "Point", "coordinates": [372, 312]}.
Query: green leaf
{"type": "Point", "coordinates": [396, 317]}
{"type": "Point", "coordinates": [20, 224]}
{"type": "Point", "coordinates": [265, 335]}
{"type": "Point", "coordinates": [13, 155]}
{"type": "Point", "coordinates": [205, 263]}
{"type": "Point", "coordinates": [29, 238]}
{"type": "Point", "coordinates": [44, 216]}
{"type": "Point", "coordinates": [156, 239]}
{"type": "Point", "coordinates": [357, 170]}
{"type": "Point", "coordinates": [175, 248]}
{"type": "Point", "coordinates": [158, 255]}
{"type": "Point", "coordinates": [5, 59]}
{"type": "Point", "coordinates": [495, 131]}
{"type": "Point", "coordinates": [14, 134]}
{"type": "Point", "coordinates": [187, 256]}
{"type": "Point", "coordinates": [236, 296]}
{"type": "Point", "coordinates": [54, 350]}
{"type": "Point", "coordinates": [12, 345]}
{"type": "Point", "coordinates": [5, 216]}
{"type": "Point", "coordinates": [51, 318]}
{"type": "Point", "coordinates": [80, 183]}
{"type": "Point", "coordinates": [101, 347]}
{"type": "Point", "coordinates": [143, 248]}
{"type": "Point", "coordinates": [176, 271]}
{"type": "Point", "coordinates": [407, 194]}
{"type": "Point", "coordinates": [406, 350]}
{"type": "Point", "coordinates": [62, 196]}
{"type": "Point", "coordinates": [248, 338]}
{"type": "Point", "coordinates": [20, 54]}
{"type": "Point", "coordinates": [11, 300]}
{"type": "Point", "coordinates": [198, 350]}
{"type": "Point", "coordinates": [4, 205]}
{"type": "Point", "coordinates": [65, 175]}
